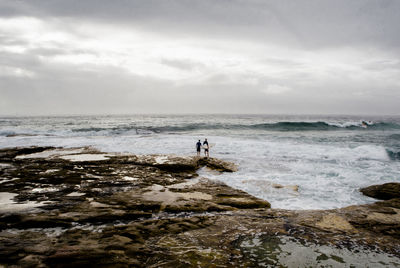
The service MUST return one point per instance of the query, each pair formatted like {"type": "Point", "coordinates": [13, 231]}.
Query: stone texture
{"type": "Point", "coordinates": [384, 191]}
{"type": "Point", "coordinates": [165, 215]}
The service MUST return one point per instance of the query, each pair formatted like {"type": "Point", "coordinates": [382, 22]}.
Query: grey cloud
{"type": "Point", "coordinates": [383, 65]}
{"type": "Point", "coordinates": [12, 8]}
{"type": "Point", "coordinates": [186, 65]}
{"type": "Point", "coordinates": [54, 51]}
{"type": "Point", "coordinates": [62, 90]}
{"type": "Point", "coordinates": [283, 62]}
{"type": "Point", "coordinates": [59, 89]}
{"type": "Point", "coordinates": [11, 40]}
{"type": "Point", "coordinates": [18, 60]}
{"type": "Point", "coordinates": [310, 24]}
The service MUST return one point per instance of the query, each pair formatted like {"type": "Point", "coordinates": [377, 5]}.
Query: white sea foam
{"type": "Point", "coordinates": [328, 176]}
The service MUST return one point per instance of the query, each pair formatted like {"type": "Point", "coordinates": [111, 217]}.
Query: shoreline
{"type": "Point", "coordinates": [129, 210]}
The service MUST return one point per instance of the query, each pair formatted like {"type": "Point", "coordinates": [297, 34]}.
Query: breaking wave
{"type": "Point", "coordinates": [395, 156]}
{"type": "Point", "coordinates": [279, 126]}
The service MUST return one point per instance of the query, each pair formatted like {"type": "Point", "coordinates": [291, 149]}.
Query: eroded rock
{"type": "Point", "coordinates": [154, 211]}
{"type": "Point", "coordinates": [336, 223]}
{"type": "Point", "coordinates": [384, 191]}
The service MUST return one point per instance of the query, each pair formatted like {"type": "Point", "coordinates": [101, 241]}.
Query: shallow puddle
{"type": "Point", "coordinates": [161, 159]}
{"type": "Point", "coordinates": [7, 203]}
{"type": "Point", "coordinates": [4, 180]}
{"type": "Point", "coordinates": [284, 251]}
{"type": "Point", "coordinates": [186, 184]}
{"type": "Point", "coordinates": [5, 165]}
{"type": "Point", "coordinates": [75, 194]}
{"type": "Point", "coordinates": [162, 194]}
{"type": "Point", "coordinates": [51, 153]}
{"type": "Point", "coordinates": [127, 178]}
{"type": "Point", "coordinates": [85, 157]}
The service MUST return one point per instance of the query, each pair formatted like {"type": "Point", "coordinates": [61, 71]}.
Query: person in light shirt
{"type": "Point", "coordinates": [206, 148]}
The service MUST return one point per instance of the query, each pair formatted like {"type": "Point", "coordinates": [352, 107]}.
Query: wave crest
{"type": "Point", "coordinates": [395, 156]}
{"type": "Point", "coordinates": [284, 126]}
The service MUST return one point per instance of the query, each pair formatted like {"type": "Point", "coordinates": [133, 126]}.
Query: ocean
{"type": "Point", "coordinates": [328, 158]}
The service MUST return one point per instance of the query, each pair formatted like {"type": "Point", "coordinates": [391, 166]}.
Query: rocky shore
{"type": "Point", "coordinates": [81, 207]}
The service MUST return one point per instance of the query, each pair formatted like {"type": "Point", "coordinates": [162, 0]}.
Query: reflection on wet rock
{"type": "Point", "coordinates": [81, 207]}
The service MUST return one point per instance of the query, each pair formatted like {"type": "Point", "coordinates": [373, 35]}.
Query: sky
{"type": "Point", "coordinates": [62, 57]}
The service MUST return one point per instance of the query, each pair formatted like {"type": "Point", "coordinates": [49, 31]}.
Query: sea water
{"type": "Point", "coordinates": [329, 158]}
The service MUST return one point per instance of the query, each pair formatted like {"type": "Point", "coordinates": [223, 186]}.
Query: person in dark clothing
{"type": "Point", "coordinates": [206, 147]}
{"type": "Point", "coordinates": [198, 147]}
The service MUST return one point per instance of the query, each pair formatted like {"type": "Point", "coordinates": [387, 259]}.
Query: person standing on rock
{"type": "Point", "coordinates": [206, 147]}
{"type": "Point", "coordinates": [198, 147]}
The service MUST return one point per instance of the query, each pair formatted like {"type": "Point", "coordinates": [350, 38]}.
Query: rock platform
{"type": "Point", "coordinates": [80, 207]}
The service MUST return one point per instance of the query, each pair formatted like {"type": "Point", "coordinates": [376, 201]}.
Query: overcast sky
{"type": "Point", "coordinates": [204, 56]}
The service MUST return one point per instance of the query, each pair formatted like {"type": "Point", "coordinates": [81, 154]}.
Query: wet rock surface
{"type": "Point", "coordinates": [384, 191]}
{"type": "Point", "coordinates": [80, 207]}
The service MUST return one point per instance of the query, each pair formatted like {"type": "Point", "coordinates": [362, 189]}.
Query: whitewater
{"type": "Point", "coordinates": [328, 157]}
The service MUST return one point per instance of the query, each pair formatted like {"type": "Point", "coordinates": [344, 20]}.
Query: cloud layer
{"type": "Point", "coordinates": [91, 57]}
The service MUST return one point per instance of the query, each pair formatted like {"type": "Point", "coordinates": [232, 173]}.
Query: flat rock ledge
{"type": "Point", "coordinates": [80, 207]}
